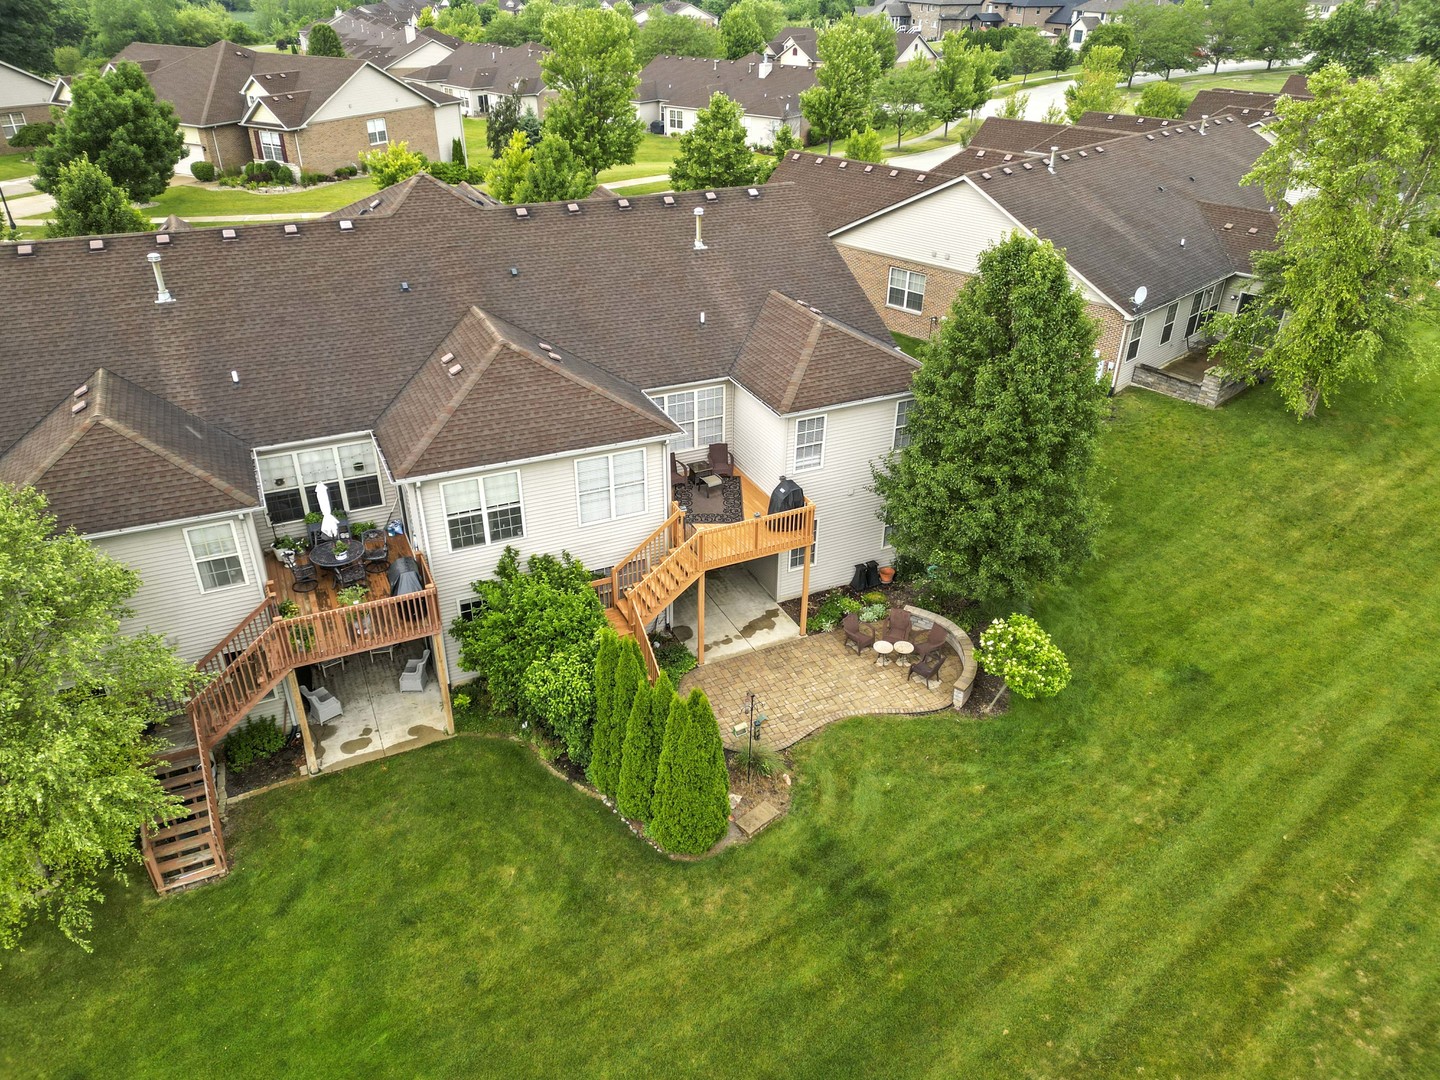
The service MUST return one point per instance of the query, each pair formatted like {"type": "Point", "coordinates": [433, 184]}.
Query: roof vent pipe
{"type": "Point", "coordinates": [1053, 151]}
{"type": "Point", "coordinates": [162, 294]}
{"type": "Point", "coordinates": [699, 243]}
{"type": "Point", "coordinates": [1203, 120]}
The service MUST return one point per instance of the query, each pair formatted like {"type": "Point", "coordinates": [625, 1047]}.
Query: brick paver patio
{"type": "Point", "coordinates": [805, 683]}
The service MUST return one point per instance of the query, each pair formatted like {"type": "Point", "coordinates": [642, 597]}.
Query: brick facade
{"type": "Point", "coordinates": [33, 114]}
{"type": "Point", "coordinates": [326, 146]}
{"type": "Point", "coordinates": [227, 147]}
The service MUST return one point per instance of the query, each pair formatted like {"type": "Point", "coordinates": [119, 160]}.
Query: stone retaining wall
{"type": "Point", "coordinates": [1212, 392]}
{"type": "Point", "coordinates": [958, 640]}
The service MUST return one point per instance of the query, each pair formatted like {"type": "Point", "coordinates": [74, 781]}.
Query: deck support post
{"type": "Point", "coordinates": [805, 579]}
{"type": "Point", "coordinates": [297, 706]}
{"type": "Point", "coordinates": [700, 627]}
{"type": "Point", "coordinates": [437, 642]}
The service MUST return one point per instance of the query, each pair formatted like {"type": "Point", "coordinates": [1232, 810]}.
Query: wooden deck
{"type": "Point", "coordinates": [322, 598]}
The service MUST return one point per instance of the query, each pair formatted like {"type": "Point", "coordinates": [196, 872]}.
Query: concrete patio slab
{"type": "Point", "coordinates": [740, 616]}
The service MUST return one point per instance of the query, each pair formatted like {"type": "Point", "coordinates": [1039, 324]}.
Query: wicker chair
{"type": "Point", "coordinates": [897, 627]}
{"type": "Point", "coordinates": [929, 667]}
{"type": "Point", "coordinates": [720, 462]}
{"type": "Point", "coordinates": [933, 640]}
{"type": "Point", "coordinates": [303, 575]}
{"type": "Point", "coordinates": [857, 635]}
{"type": "Point", "coordinates": [376, 559]}
{"type": "Point", "coordinates": [679, 474]}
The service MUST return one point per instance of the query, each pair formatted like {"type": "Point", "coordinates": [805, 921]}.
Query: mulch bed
{"type": "Point", "coordinates": [285, 764]}
{"type": "Point", "coordinates": [759, 788]}
{"type": "Point", "coordinates": [897, 594]}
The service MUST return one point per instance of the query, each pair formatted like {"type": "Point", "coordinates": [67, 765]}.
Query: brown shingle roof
{"type": "Point", "coordinates": [1244, 103]}
{"type": "Point", "coordinates": [328, 353]}
{"type": "Point", "coordinates": [115, 455]}
{"type": "Point", "coordinates": [1297, 86]}
{"type": "Point", "coordinates": [687, 82]}
{"type": "Point", "coordinates": [841, 191]}
{"type": "Point", "coordinates": [487, 67]}
{"type": "Point", "coordinates": [1242, 232]}
{"type": "Point", "coordinates": [1032, 136]}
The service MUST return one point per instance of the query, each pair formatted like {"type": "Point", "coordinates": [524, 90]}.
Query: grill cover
{"type": "Point", "coordinates": [786, 496]}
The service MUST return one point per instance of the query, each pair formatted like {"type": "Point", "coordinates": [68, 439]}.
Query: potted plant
{"type": "Point", "coordinates": [312, 525]}
{"type": "Point", "coordinates": [352, 596]}
{"type": "Point", "coordinates": [887, 575]}
{"type": "Point", "coordinates": [286, 548]}
{"type": "Point", "coordinates": [342, 547]}
{"type": "Point", "coordinates": [301, 637]}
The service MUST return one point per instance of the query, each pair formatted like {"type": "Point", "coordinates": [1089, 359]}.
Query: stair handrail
{"type": "Point", "coordinates": [677, 515]}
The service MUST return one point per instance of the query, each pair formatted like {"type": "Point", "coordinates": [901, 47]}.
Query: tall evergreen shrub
{"type": "Point", "coordinates": [602, 771]}
{"type": "Point", "coordinates": [692, 788]}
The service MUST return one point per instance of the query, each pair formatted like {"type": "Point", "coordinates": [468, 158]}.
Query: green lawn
{"type": "Point", "coordinates": [13, 166]}
{"type": "Point", "coordinates": [1268, 82]}
{"type": "Point", "coordinates": [1215, 855]}
{"type": "Point", "coordinates": [190, 200]}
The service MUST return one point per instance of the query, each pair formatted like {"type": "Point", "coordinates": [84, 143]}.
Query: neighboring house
{"type": "Point", "coordinates": [24, 99]}
{"type": "Point", "coordinates": [478, 75]}
{"type": "Point", "coordinates": [312, 112]}
{"type": "Point", "coordinates": [674, 7]}
{"type": "Point", "coordinates": [674, 88]}
{"type": "Point", "coordinates": [896, 11]}
{"type": "Point", "coordinates": [1156, 229]}
{"type": "Point", "coordinates": [796, 46]}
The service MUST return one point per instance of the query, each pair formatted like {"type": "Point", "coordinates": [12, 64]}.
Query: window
{"type": "Point", "coordinates": [676, 120]}
{"type": "Point", "coordinates": [376, 130]}
{"type": "Point", "coordinates": [1135, 332]}
{"type": "Point", "coordinates": [350, 473]}
{"type": "Point", "coordinates": [902, 423]}
{"type": "Point", "coordinates": [907, 290]}
{"type": "Point", "coordinates": [1169, 327]}
{"type": "Point", "coordinates": [482, 511]}
{"type": "Point", "coordinates": [1203, 304]}
{"type": "Point", "coordinates": [887, 538]}
{"type": "Point", "coordinates": [1077, 36]}
{"type": "Point", "coordinates": [272, 146]}
{"type": "Point", "coordinates": [610, 486]}
{"type": "Point", "coordinates": [700, 414]}
{"type": "Point", "coordinates": [11, 122]}
{"type": "Point", "coordinates": [470, 608]}
{"type": "Point", "coordinates": [797, 555]}
{"type": "Point", "coordinates": [216, 555]}
{"type": "Point", "coordinates": [809, 443]}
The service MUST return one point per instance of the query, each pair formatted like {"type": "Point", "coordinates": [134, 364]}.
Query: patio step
{"type": "Point", "coordinates": [186, 849]}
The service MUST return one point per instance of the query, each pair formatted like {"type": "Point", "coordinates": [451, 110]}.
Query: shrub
{"type": "Point", "coordinates": [344, 172]}
{"type": "Point", "coordinates": [639, 755]}
{"type": "Point", "coordinates": [785, 140]}
{"type": "Point", "coordinates": [603, 770]}
{"type": "Point", "coordinates": [873, 612]}
{"type": "Point", "coordinates": [30, 136]}
{"type": "Point", "coordinates": [873, 597]}
{"type": "Point", "coordinates": [865, 146]}
{"type": "Point", "coordinates": [1022, 654]}
{"type": "Point", "coordinates": [692, 787]}
{"type": "Point", "coordinates": [203, 171]}
{"type": "Point", "coordinates": [761, 759]}
{"type": "Point", "coordinates": [675, 660]}
{"type": "Point", "coordinates": [288, 609]}
{"type": "Point", "coordinates": [558, 691]}
{"type": "Point", "coordinates": [257, 740]}
{"type": "Point", "coordinates": [455, 172]}
{"type": "Point", "coordinates": [268, 172]}
{"type": "Point", "coordinates": [831, 610]}
{"type": "Point", "coordinates": [1162, 99]}
{"type": "Point", "coordinates": [310, 179]}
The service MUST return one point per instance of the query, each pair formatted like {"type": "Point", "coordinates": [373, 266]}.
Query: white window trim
{"type": "Point", "coordinates": [663, 401]}
{"type": "Point", "coordinates": [895, 433]}
{"type": "Point", "coordinates": [824, 419]}
{"type": "Point", "coordinates": [907, 290]}
{"type": "Point", "coordinates": [1137, 333]}
{"type": "Point", "coordinates": [1168, 330]}
{"type": "Point", "coordinates": [307, 491]}
{"type": "Point", "coordinates": [383, 131]}
{"type": "Point", "coordinates": [461, 601]}
{"type": "Point", "coordinates": [644, 472]}
{"type": "Point", "coordinates": [195, 563]}
{"type": "Point", "coordinates": [266, 149]}
{"type": "Point", "coordinates": [790, 555]}
{"type": "Point", "coordinates": [484, 508]}
{"type": "Point", "coordinates": [11, 123]}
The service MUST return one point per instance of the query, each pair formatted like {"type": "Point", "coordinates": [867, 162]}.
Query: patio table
{"type": "Point", "coordinates": [323, 554]}
{"type": "Point", "coordinates": [883, 649]}
{"type": "Point", "coordinates": [903, 649]}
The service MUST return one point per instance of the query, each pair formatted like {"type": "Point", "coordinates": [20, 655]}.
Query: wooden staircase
{"type": "Point", "coordinates": [252, 660]}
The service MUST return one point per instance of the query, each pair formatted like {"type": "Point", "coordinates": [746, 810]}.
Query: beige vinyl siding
{"type": "Point", "coordinates": [21, 88]}
{"type": "Point", "coordinates": [551, 511]}
{"type": "Point", "coordinates": [427, 55]}
{"type": "Point", "coordinates": [170, 602]}
{"type": "Point", "coordinates": [367, 92]}
{"type": "Point", "coordinates": [848, 526]}
{"type": "Point", "coordinates": [1151, 351]}
{"type": "Point", "coordinates": [759, 439]}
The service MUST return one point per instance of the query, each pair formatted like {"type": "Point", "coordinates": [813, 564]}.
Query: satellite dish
{"type": "Point", "coordinates": [1140, 294]}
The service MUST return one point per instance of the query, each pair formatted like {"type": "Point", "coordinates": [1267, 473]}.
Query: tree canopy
{"type": "Point", "coordinates": [901, 94]}
{"type": "Point", "coordinates": [88, 203]}
{"type": "Point", "coordinates": [839, 102]}
{"type": "Point", "coordinates": [324, 41]}
{"type": "Point", "coordinates": [555, 174]}
{"type": "Point", "coordinates": [76, 696]}
{"type": "Point", "coordinates": [1359, 37]}
{"type": "Point", "coordinates": [1276, 29]}
{"type": "Point", "coordinates": [713, 153]}
{"type": "Point", "coordinates": [1169, 37]}
{"type": "Point", "coordinates": [675, 35]}
{"type": "Point", "coordinates": [1028, 52]}
{"type": "Point", "coordinates": [592, 69]}
{"type": "Point", "coordinates": [1095, 89]}
{"type": "Point", "coordinates": [115, 121]}
{"type": "Point", "coordinates": [391, 165]}
{"type": "Point", "coordinates": [27, 37]}
{"type": "Point", "coordinates": [1115, 35]}
{"type": "Point", "coordinates": [963, 76]}
{"type": "Point", "coordinates": [994, 487]}
{"type": "Point", "coordinates": [1357, 258]}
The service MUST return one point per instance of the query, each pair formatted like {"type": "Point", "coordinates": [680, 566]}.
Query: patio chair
{"type": "Point", "coordinates": [412, 679]}
{"type": "Point", "coordinates": [304, 577]}
{"type": "Point", "coordinates": [349, 574]}
{"type": "Point", "coordinates": [679, 474]}
{"type": "Point", "coordinates": [897, 627]}
{"type": "Point", "coordinates": [857, 635]}
{"type": "Point", "coordinates": [323, 705]}
{"type": "Point", "coordinates": [720, 461]}
{"type": "Point", "coordinates": [327, 665]}
{"type": "Point", "coordinates": [376, 559]}
{"type": "Point", "coordinates": [928, 668]}
{"type": "Point", "coordinates": [935, 639]}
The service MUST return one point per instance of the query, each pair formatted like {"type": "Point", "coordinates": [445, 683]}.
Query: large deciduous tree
{"type": "Point", "coordinates": [555, 174]}
{"type": "Point", "coordinates": [1028, 52]}
{"type": "Point", "coordinates": [1115, 35]}
{"type": "Point", "coordinates": [115, 121]}
{"type": "Point", "coordinates": [1229, 29]}
{"type": "Point", "coordinates": [88, 203]}
{"type": "Point", "coordinates": [592, 69]}
{"type": "Point", "coordinates": [1170, 37]}
{"type": "Point", "coordinates": [839, 102]}
{"type": "Point", "coordinates": [1095, 89]}
{"type": "Point", "coordinates": [691, 804]}
{"type": "Point", "coordinates": [740, 31]}
{"type": "Point", "coordinates": [1358, 36]}
{"type": "Point", "coordinates": [901, 94]}
{"type": "Point", "coordinates": [675, 35]}
{"type": "Point", "coordinates": [324, 41]}
{"type": "Point", "coordinates": [963, 77]}
{"type": "Point", "coordinates": [76, 696]}
{"type": "Point", "coordinates": [713, 153]}
{"type": "Point", "coordinates": [994, 487]}
{"type": "Point", "coordinates": [1422, 23]}
{"type": "Point", "coordinates": [1277, 28]}
{"type": "Point", "coordinates": [1358, 255]}
{"type": "Point", "coordinates": [27, 35]}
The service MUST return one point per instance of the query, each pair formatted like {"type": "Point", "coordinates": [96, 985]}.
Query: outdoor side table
{"type": "Point", "coordinates": [883, 649]}
{"type": "Point", "coordinates": [903, 649]}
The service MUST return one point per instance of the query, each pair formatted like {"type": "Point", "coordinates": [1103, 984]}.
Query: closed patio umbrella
{"type": "Point", "coordinates": [329, 524]}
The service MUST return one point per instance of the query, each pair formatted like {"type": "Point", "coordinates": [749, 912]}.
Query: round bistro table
{"type": "Point", "coordinates": [323, 554]}
{"type": "Point", "coordinates": [903, 649]}
{"type": "Point", "coordinates": [883, 649]}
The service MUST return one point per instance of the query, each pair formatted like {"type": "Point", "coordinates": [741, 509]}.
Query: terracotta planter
{"type": "Point", "coordinates": [887, 575]}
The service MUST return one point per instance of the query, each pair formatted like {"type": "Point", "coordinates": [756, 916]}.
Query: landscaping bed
{"type": "Point", "coordinates": [285, 764]}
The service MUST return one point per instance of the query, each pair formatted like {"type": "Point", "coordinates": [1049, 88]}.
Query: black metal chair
{"type": "Point", "coordinates": [349, 574]}
{"type": "Point", "coordinates": [305, 578]}
{"type": "Point", "coordinates": [376, 559]}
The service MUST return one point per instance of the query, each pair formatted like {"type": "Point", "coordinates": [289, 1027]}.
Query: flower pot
{"type": "Point", "coordinates": [887, 575]}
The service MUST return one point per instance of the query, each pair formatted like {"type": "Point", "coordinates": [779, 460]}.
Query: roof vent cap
{"type": "Point", "coordinates": [291, 229]}
{"type": "Point", "coordinates": [754, 193]}
{"type": "Point", "coordinates": [668, 200]}
{"type": "Point", "coordinates": [97, 245]}
{"type": "Point", "coordinates": [710, 196]}
{"type": "Point", "coordinates": [572, 208]}
{"type": "Point", "coordinates": [375, 204]}
{"type": "Point", "coordinates": [81, 391]}
{"type": "Point", "coordinates": [521, 212]}
{"type": "Point", "coordinates": [25, 249]}
{"type": "Point", "coordinates": [447, 358]}
{"type": "Point", "coordinates": [869, 168]}
{"type": "Point", "coordinates": [162, 239]}
{"type": "Point", "coordinates": [843, 164]}
{"type": "Point", "coordinates": [553, 355]}
{"type": "Point", "coordinates": [453, 370]}
{"type": "Point", "coordinates": [346, 225]}
{"type": "Point", "coordinates": [229, 234]}
{"type": "Point", "coordinates": [78, 407]}
{"type": "Point", "coordinates": [623, 204]}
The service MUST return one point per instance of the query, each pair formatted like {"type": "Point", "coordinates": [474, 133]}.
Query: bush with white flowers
{"type": "Point", "coordinates": [1023, 655]}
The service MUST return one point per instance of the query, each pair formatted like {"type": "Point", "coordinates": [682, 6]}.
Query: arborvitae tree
{"type": "Point", "coordinates": [994, 485]}
{"type": "Point", "coordinates": [629, 674]}
{"type": "Point", "coordinates": [87, 203]}
{"type": "Point", "coordinates": [692, 786]}
{"type": "Point", "coordinates": [638, 757]}
{"type": "Point", "coordinates": [713, 152]}
{"type": "Point", "coordinates": [324, 41]}
{"type": "Point", "coordinates": [555, 174]}
{"type": "Point", "coordinates": [115, 121]}
{"type": "Point", "coordinates": [602, 769]}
